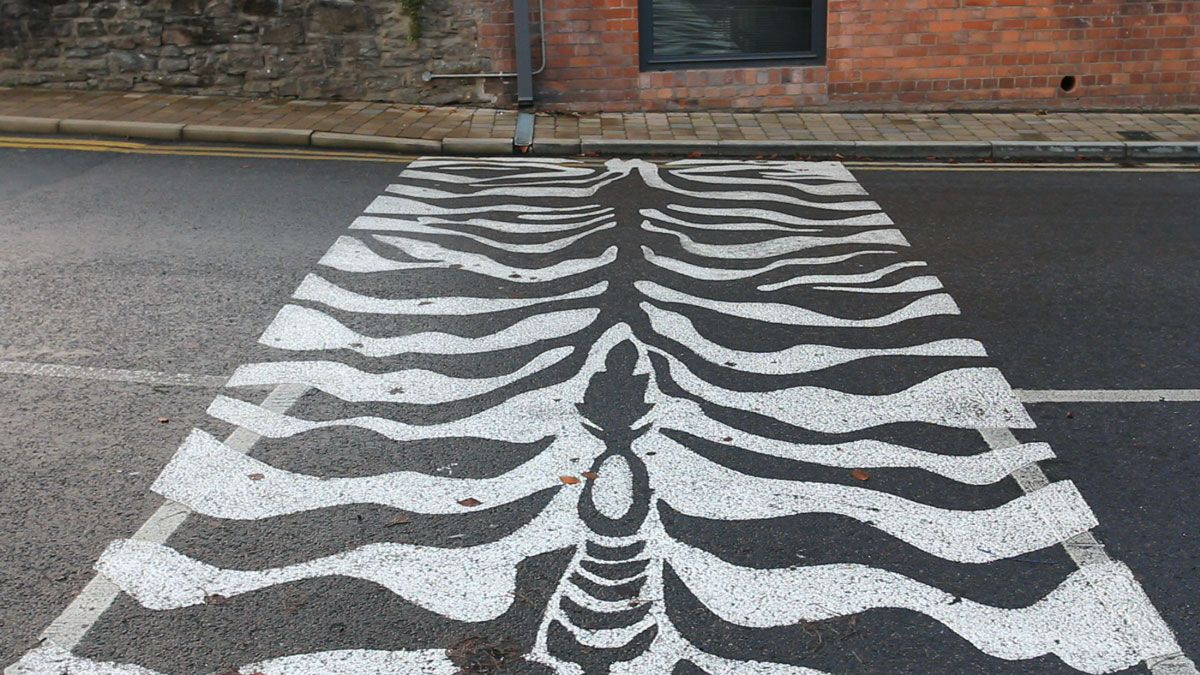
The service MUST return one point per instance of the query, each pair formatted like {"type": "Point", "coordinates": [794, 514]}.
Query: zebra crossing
{"type": "Point", "coordinates": [634, 418]}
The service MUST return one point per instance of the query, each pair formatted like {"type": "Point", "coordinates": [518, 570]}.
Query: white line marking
{"type": "Point", "coordinates": [1106, 395]}
{"type": "Point", "coordinates": [111, 374]}
{"type": "Point", "coordinates": [1087, 551]}
{"type": "Point", "coordinates": [69, 628]}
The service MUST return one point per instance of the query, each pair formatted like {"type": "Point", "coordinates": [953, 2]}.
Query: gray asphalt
{"type": "Point", "coordinates": [161, 263]}
{"type": "Point", "coordinates": [1073, 280]}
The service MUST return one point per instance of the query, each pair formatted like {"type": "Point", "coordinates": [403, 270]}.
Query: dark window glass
{"type": "Point", "coordinates": [678, 31]}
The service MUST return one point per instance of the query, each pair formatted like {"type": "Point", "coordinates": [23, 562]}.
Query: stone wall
{"type": "Point", "coordinates": [348, 49]}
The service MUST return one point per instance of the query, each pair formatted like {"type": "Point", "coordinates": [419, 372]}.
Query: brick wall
{"type": "Point", "coordinates": [882, 54]}
{"type": "Point", "coordinates": [889, 54]}
{"type": "Point", "coordinates": [993, 53]}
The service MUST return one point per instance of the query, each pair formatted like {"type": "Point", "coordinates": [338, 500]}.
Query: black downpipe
{"type": "Point", "coordinates": [524, 54]}
{"type": "Point", "coordinates": [524, 134]}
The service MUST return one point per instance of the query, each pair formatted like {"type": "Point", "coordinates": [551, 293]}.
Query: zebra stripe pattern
{"type": "Point", "coordinates": [688, 361]}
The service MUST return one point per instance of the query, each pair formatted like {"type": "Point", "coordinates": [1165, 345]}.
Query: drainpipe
{"type": "Point", "coordinates": [523, 138]}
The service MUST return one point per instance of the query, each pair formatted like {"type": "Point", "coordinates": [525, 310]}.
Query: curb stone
{"type": "Point", "coordinates": [736, 148]}
{"type": "Point", "coordinates": [327, 139]}
{"type": "Point", "coordinates": [1057, 150]}
{"type": "Point", "coordinates": [924, 149]}
{"type": "Point", "coordinates": [1161, 150]}
{"type": "Point", "coordinates": [157, 131]}
{"type": "Point", "coordinates": [629, 146]}
{"type": "Point", "coordinates": [28, 125]}
{"type": "Point", "coordinates": [477, 146]}
{"type": "Point", "coordinates": [249, 135]}
{"type": "Point", "coordinates": [1186, 151]}
{"type": "Point", "coordinates": [556, 146]}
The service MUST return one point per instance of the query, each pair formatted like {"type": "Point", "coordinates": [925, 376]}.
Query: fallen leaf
{"type": "Point", "coordinates": [569, 480]}
{"type": "Point", "coordinates": [694, 155]}
{"type": "Point", "coordinates": [727, 439]}
{"type": "Point", "coordinates": [860, 474]}
{"type": "Point", "coordinates": [257, 476]}
{"type": "Point", "coordinates": [1070, 415]}
{"type": "Point", "coordinates": [590, 474]}
{"type": "Point", "coordinates": [215, 599]}
{"type": "Point", "coordinates": [470, 501]}
{"type": "Point", "coordinates": [163, 420]}
{"type": "Point", "coordinates": [398, 519]}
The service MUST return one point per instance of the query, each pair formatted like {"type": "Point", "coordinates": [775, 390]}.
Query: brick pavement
{"type": "Point", "coordinates": [391, 120]}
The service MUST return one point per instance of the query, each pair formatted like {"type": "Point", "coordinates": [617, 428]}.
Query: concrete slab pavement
{"type": "Point", "coordinates": [403, 128]}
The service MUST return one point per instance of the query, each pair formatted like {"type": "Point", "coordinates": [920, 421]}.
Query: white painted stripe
{"type": "Point", "coordinates": [474, 583]}
{"type": "Point", "coordinates": [568, 215]}
{"type": "Point", "coordinates": [1072, 622]}
{"type": "Point", "coordinates": [402, 206]}
{"type": "Point", "coordinates": [753, 226]}
{"type": "Point", "coordinates": [979, 469]}
{"type": "Point", "coordinates": [802, 358]}
{"type": "Point", "coordinates": [723, 274]}
{"type": "Point", "coordinates": [858, 278]}
{"type": "Point", "coordinates": [700, 488]}
{"type": "Point", "coordinates": [110, 374]}
{"type": "Point", "coordinates": [515, 189]}
{"type": "Point", "coordinates": [519, 420]}
{"type": "Point", "coordinates": [401, 224]}
{"type": "Point", "coordinates": [780, 245]}
{"type": "Point", "coordinates": [70, 626]}
{"type": "Point", "coordinates": [965, 398]}
{"type": "Point", "coordinates": [415, 385]}
{"type": "Point", "coordinates": [351, 255]}
{"type": "Point", "coordinates": [791, 315]}
{"type": "Point", "coordinates": [911, 285]}
{"type": "Point", "coordinates": [211, 478]}
{"type": "Point", "coordinates": [1108, 395]}
{"type": "Point", "coordinates": [649, 174]}
{"type": "Point", "coordinates": [50, 659]}
{"type": "Point", "coordinates": [827, 170]}
{"type": "Point", "coordinates": [699, 175]}
{"type": "Point", "coordinates": [608, 638]}
{"type": "Point", "coordinates": [547, 247]}
{"type": "Point", "coordinates": [1145, 633]}
{"type": "Point", "coordinates": [297, 328]}
{"type": "Point", "coordinates": [559, 174]}
{"type": "Point", "coordinates": [879, 218]}
{"type": "Point", "coordinates": [318, 289]}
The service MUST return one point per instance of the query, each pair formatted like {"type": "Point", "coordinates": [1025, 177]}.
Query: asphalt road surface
{"type": "Point", "coordinates": [588, 417]}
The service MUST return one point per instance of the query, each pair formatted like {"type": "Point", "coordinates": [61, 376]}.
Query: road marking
{"type": "Point", "coordinates": [68, 629]}
{"type": "Point", "coordinates": [1156, 167]}
{"type": "Point", "coordinates": [645, 455]}
{"type": "Point", "coordinates": [1087, 551]}
{"type": "Point", "coordinates": [1107, 395]}
{"type": "Point", "coordinates": [219, 381]}
{"type": "Point", "coordinates": [85, 145]}
{"type": "Point", "coordinates": [111, 374]}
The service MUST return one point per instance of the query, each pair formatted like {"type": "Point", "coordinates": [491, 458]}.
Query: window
{"type": "Point", "coordinates": [680, 33]}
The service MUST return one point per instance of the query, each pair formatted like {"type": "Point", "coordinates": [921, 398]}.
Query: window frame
{"type": "Point", "coordinates": [648, 62]}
